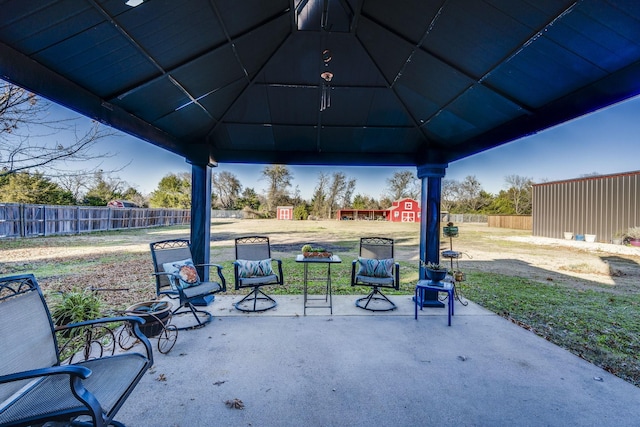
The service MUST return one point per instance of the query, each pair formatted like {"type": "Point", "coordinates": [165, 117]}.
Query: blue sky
{"type": "Point", "coordinates": [607, 141]}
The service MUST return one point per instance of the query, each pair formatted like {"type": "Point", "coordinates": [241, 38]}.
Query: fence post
{"type": "Point", "coordinates": [21, 220]}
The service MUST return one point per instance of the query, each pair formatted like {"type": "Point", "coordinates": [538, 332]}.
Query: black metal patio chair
{"type": "Point", "coordinates": [253, 268]}
{"type": "Point", "coordinates": [37, 387]}
{"type": "Point", "coordinates": [177, 278]}
{"type": "Point", "coordinates": [376, 267]}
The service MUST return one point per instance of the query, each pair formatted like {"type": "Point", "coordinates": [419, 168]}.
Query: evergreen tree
{"type": "Point", "coordinates": [174, 191]}
{"type": "Point", "coordinates": [23, 187]}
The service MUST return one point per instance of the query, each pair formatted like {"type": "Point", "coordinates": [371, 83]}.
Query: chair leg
{"type": "Point", "coordinates": [375, 295]}
{"type": "Point", "coordinates": [255, 295]}
{"type": "Point", "coordinates": [202, 317]}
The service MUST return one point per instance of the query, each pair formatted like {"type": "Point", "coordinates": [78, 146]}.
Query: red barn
{"type": "Point", "coordinates": [405, 210]}
{"type": "Point", "coordinates": [284, 212]}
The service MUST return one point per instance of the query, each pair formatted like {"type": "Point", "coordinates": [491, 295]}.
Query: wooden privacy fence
{"type": "Point", "coordinates": [23, 220]}
{"type": "Point", "coordinates": [517, 222]}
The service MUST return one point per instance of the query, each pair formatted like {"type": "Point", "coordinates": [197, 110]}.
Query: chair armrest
{"type": "Point", "coordinates": [73, 370]}
{"type": "Point", "coordinates": [353, 272]}
{"type": "Point", "coordinates": [397, 275]}
{"type": "Point", "coordinates": [210, 265]}
{"type": "Point", "coordinates": [279, 262]}
{"type": "Point", "coordinates": [135, 322]}
{"type": "Point", "coordinates": [76, 387]}
{"type": "Point", "coordinates": [223, 281]}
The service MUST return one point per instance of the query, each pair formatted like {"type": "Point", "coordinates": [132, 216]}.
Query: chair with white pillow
{"type": "Point", "coordinates": [177, 277]}
{"type": "Point", "coordinates": [376, 267]}
{"type": "Point", "coordinates": [253, 268]}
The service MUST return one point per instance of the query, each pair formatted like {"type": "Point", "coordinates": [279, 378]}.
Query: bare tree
{"type": "Point", "coordinates": [348, 193]}
{"type": "Point", "coordinates": [403, 184]}
{"type": "Point", "coordinates": [279, 178]}
{"type": "Point", "coordinates": [26, 132]}
{"type": "Point", "coordinates": [227, 187]}
{"type": "Point", "coordinates": [469, 193]}
{"type": "Point", "coordinates": [320, 195]}
{"type": "Point", "coordinates": [519, 193]}
{"type": "Point", "coordinates": [77, 185]}
{"type": "Point", "coordinates": [450, 190]}
{"type": "Point", "coordinates": [336, 191]}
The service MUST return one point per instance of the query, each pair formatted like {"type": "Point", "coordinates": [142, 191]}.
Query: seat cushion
{"type": "Point", "coordinates": [185, 271]}
{"type": "Point", "coordinates": [253, 281]}
{"type": "Point", "coordinates": [376, 281]}
{"type": "Point", "coordinates": [204, 288]}
{"type": "Point", "coordinates": [375, 267]}
{"type": "Point", "coordinates": [250, 268]}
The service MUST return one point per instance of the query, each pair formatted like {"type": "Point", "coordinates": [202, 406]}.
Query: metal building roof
{"type": "Point", "coordinates": [413, 81]}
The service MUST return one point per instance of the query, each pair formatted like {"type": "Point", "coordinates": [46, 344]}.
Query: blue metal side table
{"type": "Point", "coordinates": [428, 285]}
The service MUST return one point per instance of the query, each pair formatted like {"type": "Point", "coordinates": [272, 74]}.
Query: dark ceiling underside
{"type": "Point", "coordinates": [414, 82]}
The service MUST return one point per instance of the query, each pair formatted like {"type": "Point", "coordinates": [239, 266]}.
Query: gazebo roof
{"type": "Point", "coordinates": [413, 82]}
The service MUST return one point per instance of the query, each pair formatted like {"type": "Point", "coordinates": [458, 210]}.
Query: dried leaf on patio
{"type": "Point", "coordinates": [235, 404]}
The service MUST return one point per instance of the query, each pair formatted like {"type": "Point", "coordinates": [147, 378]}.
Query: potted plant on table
{"type": "Point", "coordinates": [309, 251]}
{"type": "Point", "coordinates": [435, 272]}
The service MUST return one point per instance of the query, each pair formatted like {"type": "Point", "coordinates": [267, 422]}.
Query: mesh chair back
{"type": "Point", "coordinates": [253, 248]}
{"type": "Point", "coordinates": [376, 247]}
{"type": "Point", "coordinates": [168, 251]}
{"type": "Point", "coordinates": [25, 324]}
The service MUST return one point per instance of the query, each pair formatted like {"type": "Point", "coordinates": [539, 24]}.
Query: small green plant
{"type": "Point", "coordinates": [434, 266]}
{"type": "Point", "coordinates": [75, 306]}
{"type": "Point", "coordinates": [309, 248]}
{"type": "Point", "coordinates": [619, 234]}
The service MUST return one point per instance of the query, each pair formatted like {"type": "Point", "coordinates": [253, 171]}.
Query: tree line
{"type": "Point", "coordinates": [34, 171]}
{"type": "Point", "coordinates": [332, 192]}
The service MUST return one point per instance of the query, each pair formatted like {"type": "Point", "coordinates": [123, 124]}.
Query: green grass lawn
{"type": "Point", "coordinates": [598, 326]}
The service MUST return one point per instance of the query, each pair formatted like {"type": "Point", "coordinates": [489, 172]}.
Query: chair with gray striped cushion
{"type": "Point", "coordinates": [254, 269]}
{"type": "Point", "coordinates": [376, 267]}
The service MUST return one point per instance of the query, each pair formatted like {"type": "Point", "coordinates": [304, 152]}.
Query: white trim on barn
{"type": "Point", "coordinates": [284, 212]}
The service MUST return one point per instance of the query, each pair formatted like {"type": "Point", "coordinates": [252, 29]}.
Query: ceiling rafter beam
{"type": "Point", "coordinates": [400, 101]}
{"type": "Point", "coordinates": [252, 81]}
{"type": "Point", "coordinates": [146, 54]}
{"type": "Point", "coordinates": [527, 110]}
{"type": "Point", "coordinates": [316, 86]}
{"type": "Point", "coordinates": [481, 79]}
{"type": "Point", "coordinates": [416, 47]}
{"type": "Point", "coordinates": [190, 61]}
{"type": "Point", "coordinates": [126, 35]}
{"type": "Point", "coordinates": [33, 76]}
{"type": "Point", "coordinates": [228, 37]}
{"type": "Point", "coordinates": [322, 126]}
{"type": "Point", "coordinates": [290, 157]}
{"type": "Point", "coordinates": [614, 88]}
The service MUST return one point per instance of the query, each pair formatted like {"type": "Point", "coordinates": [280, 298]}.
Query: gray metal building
{"type": "Point", "coordinates": [600, 205]}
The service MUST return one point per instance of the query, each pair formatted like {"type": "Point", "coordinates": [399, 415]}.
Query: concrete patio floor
{"type": "Point", "coordinates": [356, 368]}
